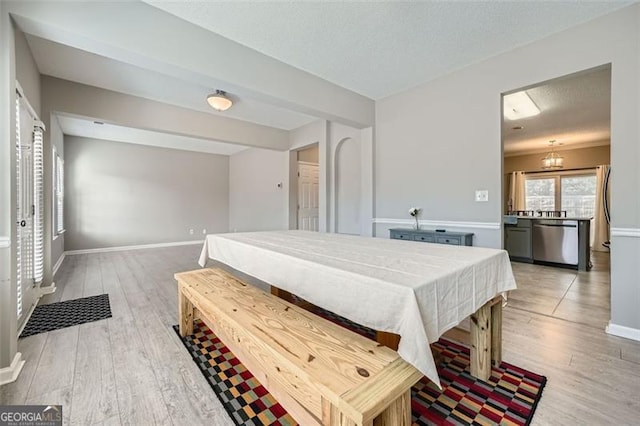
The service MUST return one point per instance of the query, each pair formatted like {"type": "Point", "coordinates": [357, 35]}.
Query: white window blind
{"type": "Point", "coordinates": [19, 204]}
{"type": "Point", "coordinates": [38, 199]}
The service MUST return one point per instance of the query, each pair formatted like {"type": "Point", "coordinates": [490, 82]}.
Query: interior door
{"type": "Point", "coordinates": [308, 196]}
{"type": "Point", "coordinates": [25, 212]}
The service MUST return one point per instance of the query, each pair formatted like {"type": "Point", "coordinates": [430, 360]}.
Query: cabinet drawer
{"type": "Point", "coordinates": [402, 236]}
{"type": "Point", "coordinates": [454, 241]}
{"type": "Point", "coordinates": [425, 238]}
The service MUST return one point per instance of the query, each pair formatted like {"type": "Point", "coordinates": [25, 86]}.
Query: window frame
{"type": "Point", "coordinates": [58, 228]}
{"type": "Point", "coordinates": [556, 187]}
{"type": "Point", "coordinates": [557, 175]}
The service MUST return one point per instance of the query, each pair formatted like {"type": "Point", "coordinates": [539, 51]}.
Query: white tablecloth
{"type": "Point", "coordinates": [414, 289]}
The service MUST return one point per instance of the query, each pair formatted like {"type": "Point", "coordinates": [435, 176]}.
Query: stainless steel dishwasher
{"type": "Point", "coordinates": [555, 241]}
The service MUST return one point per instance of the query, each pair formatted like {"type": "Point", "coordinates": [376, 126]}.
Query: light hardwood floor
{"type": "Point", "coordinates": [132, 369]}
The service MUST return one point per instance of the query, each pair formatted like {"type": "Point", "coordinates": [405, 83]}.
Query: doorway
{"type": "Point", "coordinates": [556, 138]}
{"type": "Point", "coordinates": [29, 208]}
{"type": "Point", "coordinates": [308, 189]}
{"type": "Point", "coordinates": [308, 196]}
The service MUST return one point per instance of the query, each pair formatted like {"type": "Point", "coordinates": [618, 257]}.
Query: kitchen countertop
{"type": "Point", "coordinates": [511, 219]}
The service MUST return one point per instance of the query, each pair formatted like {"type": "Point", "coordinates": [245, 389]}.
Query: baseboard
{"type": "Point", "coordinates": [622, 331]}
{"type": "Point", "coordinates": [42, 291]}
{"type": "Point", "coordinates": [138, 247]}
{"type": "Point", "coordinates": [10, 374]}
{"type": "Point", "coordinates": [49, 289]}
{"type": "Point", "coordinates": [58, 264]}
{"type": "Point", "coordinates": [28, 317]}
{"type": "Point", "coordinates": [439, 223]}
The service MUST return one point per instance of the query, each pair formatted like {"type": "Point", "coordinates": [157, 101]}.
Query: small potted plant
{"type": "Point", "coordinates": [414, 212]}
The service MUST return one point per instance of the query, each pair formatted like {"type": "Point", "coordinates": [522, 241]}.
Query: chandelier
{"type": "Point", "coordinates": [552, 160]}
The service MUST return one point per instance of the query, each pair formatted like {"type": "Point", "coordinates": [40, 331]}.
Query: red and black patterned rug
{"type": "Point", "coordinates": [509, 398]}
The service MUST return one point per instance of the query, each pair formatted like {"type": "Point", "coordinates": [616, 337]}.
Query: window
{"type": "Point", "coordinates": [578, 195]}
{"type": "Point", "coordinates": [58, 193]}
{"type": "Point", "coordinates": [540, 194]}
{"type": "Point", "coordinates": [570, 191]}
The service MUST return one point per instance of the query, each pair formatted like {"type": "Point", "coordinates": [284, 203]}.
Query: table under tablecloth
{"type": "Point", "coordinates": [414, 289]}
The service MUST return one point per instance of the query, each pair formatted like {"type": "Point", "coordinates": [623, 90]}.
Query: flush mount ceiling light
{"type": "Point", "coordinates": [552, 160]}
{"type": "Point", "coordinates": [219, 101]}
{"type": "Point", "coordinates": [519, 105]}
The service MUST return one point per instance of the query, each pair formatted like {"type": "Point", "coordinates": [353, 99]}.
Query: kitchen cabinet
{"type": "Point", "coordinates": [518, 241]}
{"type": "Point", "coordinates": [548, 241]}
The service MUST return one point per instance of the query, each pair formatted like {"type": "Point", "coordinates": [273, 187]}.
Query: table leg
{"type": "Point", "coordinates": [398, 413]}
{"type": "Point", "coordinates": [389, 340]}
{"type": "Point", "coordinates": [481, 342]}
{"type": "Point", "coordinates": [185, 313]}
{"type": "Point", "coordinates": [282, 294]}
{"type": "Point", "coordinates": [496, 332]}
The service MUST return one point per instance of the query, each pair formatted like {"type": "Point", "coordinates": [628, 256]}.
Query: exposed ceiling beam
{"type": "Point", "coordinates": [66, 97]}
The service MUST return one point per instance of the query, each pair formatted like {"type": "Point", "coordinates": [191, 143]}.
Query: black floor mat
{"type": "Point", "coordinates": [66, 314]}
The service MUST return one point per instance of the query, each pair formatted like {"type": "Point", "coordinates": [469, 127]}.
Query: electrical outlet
{"type": "Point", "coordinates": [204, 232]}
{"type": "Point", "coordinates": [482, 195]}
{"type": "Point", "coordinates": [190, 231]}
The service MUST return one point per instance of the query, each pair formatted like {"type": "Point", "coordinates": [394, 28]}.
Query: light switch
{"type": "Point", "coordinates": [482, 195]}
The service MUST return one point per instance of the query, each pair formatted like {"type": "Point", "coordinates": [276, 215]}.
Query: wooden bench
{"type": "Point", "coordinates": [321, 373]}
{"type": "Point", "coordinates": [484, 336]}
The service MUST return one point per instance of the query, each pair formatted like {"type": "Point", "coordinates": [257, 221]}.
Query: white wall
{"type": "Point", "coordinates": [256, 203]}
{"type": "Point", "coordinates": [356, 195]}
{"type": "Point", "coordinates": [309, 155]}
{"type": "Point", "coordinates": [439, 142]}
{"type": "Point", "coordinates": [27, 71]}
{"type": "Point", "coordinates": [8, 327]}
{"type": "Point", "coordinates": [346, 184]}
{"type": "Point", "coordinates": [119, 194]}
{"type": "Point", "coordinates": [300, 138]}
{"type": "Point", "coordinates": [16, 63]}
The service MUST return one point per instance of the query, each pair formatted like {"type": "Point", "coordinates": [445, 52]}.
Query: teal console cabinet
{"type": "Point", "coordinates": [432, 236]}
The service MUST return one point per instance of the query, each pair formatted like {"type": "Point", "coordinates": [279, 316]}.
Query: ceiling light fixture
{"type": "Point", "coordinates": [552, 160]}
{"type": "Point", "coordinates": [219, 101]}
{"type": "Point", "coordinates": [519, 105]}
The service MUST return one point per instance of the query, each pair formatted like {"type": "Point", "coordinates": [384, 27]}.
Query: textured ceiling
{"type": "Point", "coordinates": [574, 110]}
{"type": "Point", "coordinates": [373, 48]}
{"type": "Point", "coordinates": [75, 126]}
{"type": "Point", "coordinates": [380, 48]}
